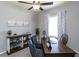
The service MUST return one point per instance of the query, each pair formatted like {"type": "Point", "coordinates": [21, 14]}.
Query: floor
{"type": "Point", "coordinates": [22, 53]}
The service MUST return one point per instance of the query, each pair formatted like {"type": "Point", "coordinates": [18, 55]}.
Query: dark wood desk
{"type": "Point", "coordinates": [57, 50]}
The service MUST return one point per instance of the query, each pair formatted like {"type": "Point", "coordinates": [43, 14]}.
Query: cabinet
{"type": "Point", "coordinates": [17, 42]}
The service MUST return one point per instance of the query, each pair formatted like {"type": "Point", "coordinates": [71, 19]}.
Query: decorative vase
{"type": "Point", "coordinates": [44, 33]}
{"type": "Point", "coordinates": [64, 39]}
{"type": "Point", "coordinates": [9, 32]}
{"type": "Point", "coordinates": [37, 31]}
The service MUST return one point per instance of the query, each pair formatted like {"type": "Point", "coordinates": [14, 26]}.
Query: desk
{"type": "Point", "coordinates": [57, 50]}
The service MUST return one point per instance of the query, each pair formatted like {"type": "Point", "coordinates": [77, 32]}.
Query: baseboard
{"type": "Point", "coordinates": [77, 55]}
{"type": "Point", "coordinates": [2, 52]}
{"type": "Point", "coordinates": [76, 51]}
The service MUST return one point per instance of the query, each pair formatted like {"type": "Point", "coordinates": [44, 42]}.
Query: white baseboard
{"type": "Point", "coordinates": [76, 51]}
{"type": "Point", "coordinates": [2, 52]}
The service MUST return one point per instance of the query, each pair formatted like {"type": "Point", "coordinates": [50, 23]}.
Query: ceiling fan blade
{"type": "Point", "coordinates": [24, 2]}
{"type": "Point", "coordinates": [41, 8]}
{"type": "Point", "coordinates": [39, 2]}
{"type": "Point", "coordinates": [47, 3]}
{"type": "Point", "coordinates": [33, 1]}
{"type": "Point", "coordinates": [30, 8]}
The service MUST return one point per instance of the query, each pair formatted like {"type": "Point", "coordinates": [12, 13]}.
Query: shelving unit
{"type": "Point", "coordinates": [17, 42]}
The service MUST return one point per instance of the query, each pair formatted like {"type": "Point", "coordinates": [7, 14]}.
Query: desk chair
{"type": "Point", "coordinates": [35, 52]}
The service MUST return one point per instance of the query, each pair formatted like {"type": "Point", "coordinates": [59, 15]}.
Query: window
{"type": "Point", "coordinates": [53, 27]}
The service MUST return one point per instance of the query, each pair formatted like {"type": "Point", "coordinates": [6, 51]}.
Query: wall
{"type": "Point", "coordinates": [72, 25]}
{"type": "Point", "coordinates": [42, 23]}
{"type": "Point", "coordinates": [12, 12]}
{"type": "Point", "coordinates": [72, 21]}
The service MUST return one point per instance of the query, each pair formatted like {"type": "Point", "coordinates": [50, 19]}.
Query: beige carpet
{"type": "Point", "coordinates": [22, 53]}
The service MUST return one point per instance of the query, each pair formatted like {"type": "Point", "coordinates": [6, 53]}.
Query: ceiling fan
{"type": "Point", "coordinates": [36, 5]}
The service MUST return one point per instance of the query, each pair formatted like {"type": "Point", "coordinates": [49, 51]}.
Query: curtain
{"type": "Point", "coordinates": [61, 23]}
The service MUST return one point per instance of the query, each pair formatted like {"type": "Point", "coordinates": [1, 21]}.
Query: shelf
{"type": "Point", "coordinates": [17, 49]}
{"type": "Point", "coordinates": [17, 42]}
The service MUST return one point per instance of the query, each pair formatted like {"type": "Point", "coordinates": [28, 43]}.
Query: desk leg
{"type": "Point", "coordinates": [8, 45]}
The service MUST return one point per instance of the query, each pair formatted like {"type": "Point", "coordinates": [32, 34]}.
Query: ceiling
{"type": "Point", "coordinates": [26, 6]}
{"type": "Point", "coordinates": [45, 7]}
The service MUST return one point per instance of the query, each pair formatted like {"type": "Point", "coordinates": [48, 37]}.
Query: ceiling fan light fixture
{"type": "Point", "coordinates": [36, 6]}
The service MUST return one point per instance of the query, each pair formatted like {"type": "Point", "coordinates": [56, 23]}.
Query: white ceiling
{"type": "Point", "coordinates": [45, 7]}
{"type": "Point", "coordinates": [26, 6]}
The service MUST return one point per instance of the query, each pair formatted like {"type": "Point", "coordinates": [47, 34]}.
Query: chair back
{"type": "Point", "coordinates": [34, 39]}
